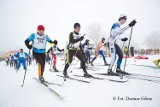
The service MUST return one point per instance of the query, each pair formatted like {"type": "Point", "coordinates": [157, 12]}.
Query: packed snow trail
{"type": "Point", "coordinates": [98, 93]}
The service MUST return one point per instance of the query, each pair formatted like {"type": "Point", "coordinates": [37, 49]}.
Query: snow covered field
{"type": "Point", "coordinates": [98, 93]}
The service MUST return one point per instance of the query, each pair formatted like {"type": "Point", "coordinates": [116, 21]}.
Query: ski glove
{"type": "Point", "coordinates": [27, 44]}
{"type": "Point", "coordinates": [124, 39]}
{"type": "Point", "coordinates": [29, 47]}
{"type": "Point", "coordinates": [81, 38]}
{"type": "Point", "coordinates": [132, 23]}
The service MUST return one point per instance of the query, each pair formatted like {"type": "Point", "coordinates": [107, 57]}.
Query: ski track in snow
{"type": "Point", "coordinates": [98, 93]}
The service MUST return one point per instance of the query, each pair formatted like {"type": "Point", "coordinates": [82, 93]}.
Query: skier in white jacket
{"type": "Point", "coordinates": [115, 34]}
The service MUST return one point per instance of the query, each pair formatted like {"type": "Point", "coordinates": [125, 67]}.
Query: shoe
{"type": "Point", "coordinates": [41, 79]}
{"type": "Point", "coordinates": [110, 72]}
{"type": "Point", "coordinates": [119, 71]}
{"type": "Point", "coordinates": [55, 69]}
{"type": "Point", "coordinates": [106, 64]}
{"type": "Point", "coordinates": [65, 74]}
{"type": "Point", "coordinates": [87, 75]}
{"type": "Point", "coordinates": [92, 63]}
{"type": "Point", "coordinates": [82, 68]}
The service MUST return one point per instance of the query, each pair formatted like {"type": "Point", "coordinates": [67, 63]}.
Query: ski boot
{"type": "Point", "coordinates": [119, 71]}
{"type": "Point", "coordinates": [87, 75]}
{"type": "Point", "coordinates": [65, 74]}
{"type": "Point", "coordinates": [106, 64]}
{"type": "Point", "coordinates": [92, 63]}
{"type": "Point", "coordinates": [41, 79]}
{"type": "Point", "coordinates": [55, 69]}
{"type": "Point", "coordinates": [82, 68]}
{"type": "Point", "coordinates": [110, 72]}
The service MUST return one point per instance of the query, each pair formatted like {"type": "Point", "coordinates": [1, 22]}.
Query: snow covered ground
{"type": "Point", "coordinates": [98, 93]}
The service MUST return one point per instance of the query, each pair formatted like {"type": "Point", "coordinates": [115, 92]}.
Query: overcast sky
{"type": "Point", "coordinates": [20, 18]}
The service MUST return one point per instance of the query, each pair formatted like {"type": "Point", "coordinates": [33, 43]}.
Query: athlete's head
{"type": "Point", "coordinates": [21, 50]}
{"type": "Point", "coordinates": [40, 29]}
{"type": "Point", "coordinates": [87, 41]}
{"type": "Point", "coordinates": [122, 18]}
{"type": "Point", "coordinates": [103, 40]}
{"type": "Point", "coordinates": [77, 27]}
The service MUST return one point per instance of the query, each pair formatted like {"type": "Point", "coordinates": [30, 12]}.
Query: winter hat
{"type": "Point", "coordinates": [103, 39]}
{"type": "Point", "coordinates": [40, 27]}
{"type": "Point", "coordinates": [87, 40]}
{"type": "Point", "coordinates": [122, 16]}
{"type": "Point", "coordinates": [76, 25]}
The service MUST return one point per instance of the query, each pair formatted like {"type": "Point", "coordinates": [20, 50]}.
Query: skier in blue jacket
{"type": "Point", "coordinates": [39, 41]}
{"type": "Point", "coordinates": [87, 48]}
{"type": "Point", "coordinates": [21, 59]}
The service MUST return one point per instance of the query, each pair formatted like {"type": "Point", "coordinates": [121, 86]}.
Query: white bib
{"type": "Point", "coordinates": [22, 55]}
{"type": "Point", "coordinates": [55, 50]}
{"type": "Point", "coordinates": [76, 45]}
{"type": "Point", "coordinates": [39, 41]}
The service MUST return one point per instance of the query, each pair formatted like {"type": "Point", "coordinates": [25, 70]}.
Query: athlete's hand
{"type": "Point", "coordinates": [132, 23]}
{"type": "Point", "coordinates": [30, 47]}
{"type": "Point", "coordinates": [124, 39]}
{"type": "Point", "coordinates": [81, 38]}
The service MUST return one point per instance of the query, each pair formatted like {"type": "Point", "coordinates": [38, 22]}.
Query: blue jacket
{"type": "Point", "coordinates": [32, 38]}
{"type": "Point", "coordinates": [21, 56]}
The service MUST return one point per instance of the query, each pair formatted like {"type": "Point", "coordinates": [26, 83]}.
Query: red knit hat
{"type": "Point", "coordinates": [40, 27]}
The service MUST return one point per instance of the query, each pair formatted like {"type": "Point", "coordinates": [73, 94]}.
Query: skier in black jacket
{"type": "Point", "coordinates": [75, 49]}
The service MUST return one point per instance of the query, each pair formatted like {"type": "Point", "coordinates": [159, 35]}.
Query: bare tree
{"type": "Point", "coordinates": [153, 40]}
{"type": "Point", "coordinates": [95, 32]}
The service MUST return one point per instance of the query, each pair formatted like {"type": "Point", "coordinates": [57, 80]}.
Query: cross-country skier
{"type": "Point", "coordinates": [54, 50]}
{"type": "Point", "coordinates": [132, 51]}
{"type": "Point", "coordinates": [99, 50]}
{"type": "Point", "coordinates": [87, 48]}
{"type": "Point", "coordinates": [115, 33]}
{"type": "Point", "coordinates": [7, 60]}
{"type": "Point", "coordinates": [126, 51]}
{"type": "Point", "coordinates": [39, 41]}
{"type": "Point", "coordinates": [75, 49]}
{"type": "Point", "coordinates": [15, 61]}
{"type": "Point", "coordinates": [21, 56]}
{"type": "Point", "coordinates": [11, 60]}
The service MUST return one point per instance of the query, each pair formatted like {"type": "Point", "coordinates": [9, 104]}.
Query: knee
{"type": "Point", "coordinates": [121, 56]}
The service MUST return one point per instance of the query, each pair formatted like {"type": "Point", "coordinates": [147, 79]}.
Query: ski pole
{"type": "Point", "coordinates": [127, 51]}
{"type": "Point", "coordinates": [24, 75]}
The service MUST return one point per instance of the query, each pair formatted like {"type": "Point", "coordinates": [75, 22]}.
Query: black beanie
{"type": "Point", "coordinates": [76, 25]}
